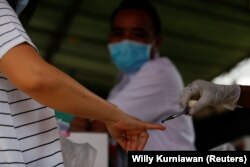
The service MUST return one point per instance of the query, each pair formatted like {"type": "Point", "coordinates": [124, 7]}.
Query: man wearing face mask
{"type": "Point", "coordinates": [149, 85]}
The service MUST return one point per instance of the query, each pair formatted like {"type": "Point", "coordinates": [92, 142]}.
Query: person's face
{"type": "Point", "coordinates": [134, 25]}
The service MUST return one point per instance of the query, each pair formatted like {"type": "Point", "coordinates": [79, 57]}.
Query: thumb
{"type": "Point", "coordinates": [196, 106]}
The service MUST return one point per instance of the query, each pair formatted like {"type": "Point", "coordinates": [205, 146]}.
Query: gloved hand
{"type": "Point", "coordinates": [209, 94]}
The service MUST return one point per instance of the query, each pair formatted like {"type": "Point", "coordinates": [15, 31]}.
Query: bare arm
{"type": "Point", "coordinates": [30, 73]}
{"type": "Point", "coordinates": [23, 66]}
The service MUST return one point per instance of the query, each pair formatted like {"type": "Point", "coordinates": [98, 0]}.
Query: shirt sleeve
{"type": "Point", "coordinates": [151, 95]}
{"type": "Point", "coordinates": [12, 32]}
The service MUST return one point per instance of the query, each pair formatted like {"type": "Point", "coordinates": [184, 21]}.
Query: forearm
{"type": "Point", "coordinates": [61, 92]}
{"type": "Point", "coordinates": [244, 99]}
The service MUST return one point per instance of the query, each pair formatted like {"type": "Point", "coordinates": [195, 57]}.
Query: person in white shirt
{"type": "Point", "coordinates": [28, 131]}
{"type": "Point", "coordinates": [149, 86]}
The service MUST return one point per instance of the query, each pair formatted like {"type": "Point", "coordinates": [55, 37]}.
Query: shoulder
{"type": "Point", "coordinates": [160, 64]}
{"type": "Point", "coordinates": [161, 69]}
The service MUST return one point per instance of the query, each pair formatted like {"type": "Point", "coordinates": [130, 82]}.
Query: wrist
{"type": "Point", "coordinates": [114, 116]}
{"type": "Point", "coordinates": [244, 97]}
{"type": "Point", "coordinates": [232, 94]}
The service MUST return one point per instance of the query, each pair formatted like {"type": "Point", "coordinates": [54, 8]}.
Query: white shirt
{"type": "Point", "coordinates": [28, 132]}
{"type": "Point", "coordinates": [151, 94]}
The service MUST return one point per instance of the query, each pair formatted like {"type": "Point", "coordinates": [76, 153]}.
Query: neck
{"type": "Point", "coordinates": [154, 55]}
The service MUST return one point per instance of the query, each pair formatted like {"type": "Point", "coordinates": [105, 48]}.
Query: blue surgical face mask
{"type": "Point", "coordinates": [129, 56]}
{"type": "Point", "coordinates": [21, 4]}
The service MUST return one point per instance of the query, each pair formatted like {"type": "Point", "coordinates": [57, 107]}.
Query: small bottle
{"type": "Point", "coordinates": [63, 128]}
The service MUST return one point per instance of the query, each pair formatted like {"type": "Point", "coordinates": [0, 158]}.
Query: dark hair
{"type": "Point", "coordinates": [27, 13]}
{"type": "Point", "coordinates": [144, 5]}
{"type": "Point", "coordinates": [12, 3]}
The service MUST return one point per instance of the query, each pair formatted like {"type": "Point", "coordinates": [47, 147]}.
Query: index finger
{"type": "Point", "coordinates": [152, 126]}
{"type": "Point", "coordinates": [185, 96]}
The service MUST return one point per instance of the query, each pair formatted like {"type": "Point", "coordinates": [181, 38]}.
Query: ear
{"type": "Point", "coordinates": [156, 46]}
{"type": "Point", "coordinates": [158, 41]}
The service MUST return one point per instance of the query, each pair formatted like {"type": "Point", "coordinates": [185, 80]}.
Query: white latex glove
{"type": "Point", "coordinates": [209, 94]}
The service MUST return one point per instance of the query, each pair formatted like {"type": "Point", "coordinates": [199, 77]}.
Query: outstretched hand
{"type": "Point", "coordinates": [131, 133]}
